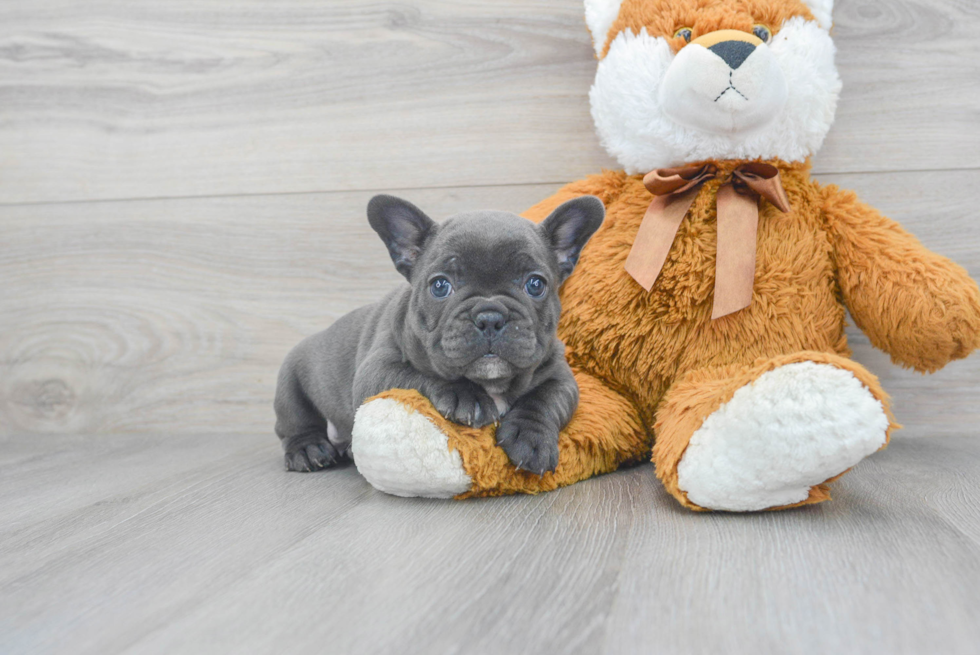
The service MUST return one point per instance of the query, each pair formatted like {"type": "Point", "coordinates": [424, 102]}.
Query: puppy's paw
{"type": "Point", "coordinates": [529, 443]}
{"type": "Point", "coordinates": [312, 456]}
{"type": "Point", "coordinates": [465, 403]}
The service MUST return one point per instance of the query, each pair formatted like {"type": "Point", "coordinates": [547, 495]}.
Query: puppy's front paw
{"type": "Point", "coordinates": [466, 403]}
{"type": "Point", "coordinates": [530, 444]}
{"type": "Point", "coordinates": [312, 456]}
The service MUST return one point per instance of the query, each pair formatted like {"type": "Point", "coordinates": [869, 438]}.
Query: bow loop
{"type": "Point", "coordinates": [675, 190]}
{"type": "Point", "coordinates": [665, 181]}
{"type": "Point", "coordinates": [762, 179]}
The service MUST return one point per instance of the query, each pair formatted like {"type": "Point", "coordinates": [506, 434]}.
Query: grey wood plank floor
{"type": "Point", "coordinates": [115, 99]}
{"type": "Point", "coordinates": [174, 315]}
{"type": "Point", "coordinates": [172, 544]}
{"type": "Point", "coordinates": [182, 192]}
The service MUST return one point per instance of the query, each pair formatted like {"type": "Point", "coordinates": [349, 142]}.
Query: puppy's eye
{"type": "Point", "coordinates": [536, 286]}
{"type": "Point", "coordinates": [762, 32]}
{"type": "Point", "coordinates": [441, 287]}
{"type": "Point", "coordinates": [685, 33]}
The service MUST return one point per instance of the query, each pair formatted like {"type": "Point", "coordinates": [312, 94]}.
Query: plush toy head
{"type": "Point", "coordinates": [683, 81]}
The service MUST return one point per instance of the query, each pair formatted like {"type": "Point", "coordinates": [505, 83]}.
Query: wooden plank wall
{"type": "Point", "coordinates": [182, 185]}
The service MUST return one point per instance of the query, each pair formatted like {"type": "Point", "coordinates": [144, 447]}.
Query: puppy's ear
{"type": "Point", "coordinates": [569, 228]}
{"type": "Point", "coordinates": [403, 227]}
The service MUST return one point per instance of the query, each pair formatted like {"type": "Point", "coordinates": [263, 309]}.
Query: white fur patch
{"type": "Point", "coordinates": [822, 10]}
{"type": "Point", "coordinates": [403, 453]}
{"type": "Point", "coordinates": [634, 128]}
{"type": "Point", "coordinates": [793, 428]}
{"type": "Point", "coordinates": [600, 16]}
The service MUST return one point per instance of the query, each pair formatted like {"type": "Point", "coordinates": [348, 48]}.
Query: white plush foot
{"type": "Point", "coordinates": [791, 429]}
{"type": "Point", "coordinates": [403, 453]}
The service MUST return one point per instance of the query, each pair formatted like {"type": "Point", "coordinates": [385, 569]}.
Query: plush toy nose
{"type": "Point", "coordinates": [733, 53]}
{"type": "Point", "coordinates": [733, 46]}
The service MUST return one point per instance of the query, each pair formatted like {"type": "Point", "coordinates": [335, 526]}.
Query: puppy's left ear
{"type": "Point", "coordinates": [403, 227]}
{"type": "Point", "coordinates": [569, 228]}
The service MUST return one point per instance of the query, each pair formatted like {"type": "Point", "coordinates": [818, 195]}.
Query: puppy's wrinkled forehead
{"type": "Point", "coordinates": [489, 246]}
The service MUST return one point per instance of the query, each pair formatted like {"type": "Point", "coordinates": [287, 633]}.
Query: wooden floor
{"type": "Point", "coordinates": [173, 544]}
{"type": "Point", "coordinates": [182, 193]}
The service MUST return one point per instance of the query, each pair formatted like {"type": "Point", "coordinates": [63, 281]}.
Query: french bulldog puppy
{"type": "Point", "coordinates": [474, 331]}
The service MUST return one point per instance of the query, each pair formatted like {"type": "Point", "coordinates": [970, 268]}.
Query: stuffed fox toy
{"type": "Point", "coordinates": [705, 319]}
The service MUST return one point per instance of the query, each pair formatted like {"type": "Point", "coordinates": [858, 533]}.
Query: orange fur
{"type": "Point", "coordinates": [920, 308]}
{"type": "Point", "coordinates": [653, 365]}
{"type": "Point", "coordinates": [665, 17]}
{"type": "Point", "coordinates": [607, 436]}
{"type": "Point", "coordinates": [642, 341]}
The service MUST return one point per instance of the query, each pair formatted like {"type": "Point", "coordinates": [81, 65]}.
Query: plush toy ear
{"type": "Point", "coordinates": [403, 227]}
{"type": "Point", "coordinates": [569, 228]}
{"type": "Point", "coordinates": [823, 10]}
{"type": "Point", "coordinates": [600, 16]}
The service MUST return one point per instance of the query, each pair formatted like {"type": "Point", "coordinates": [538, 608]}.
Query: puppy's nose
{"type": "Point", "coordinates": [490, 322]}
{"type": "Point", "coordinates": [733, 53]}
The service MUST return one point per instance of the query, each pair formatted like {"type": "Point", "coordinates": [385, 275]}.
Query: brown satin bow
{"type": "Point", "coordinates": [738, 218]}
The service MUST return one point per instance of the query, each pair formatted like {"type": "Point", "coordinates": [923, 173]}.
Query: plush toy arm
{"type": "Point", "coordinates": [919, 307]}
{"type": "Point", "coordinates": [606, 185]}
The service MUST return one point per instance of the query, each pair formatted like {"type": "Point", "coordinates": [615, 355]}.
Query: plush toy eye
{"type": "Point", "coordinates": [441, 287]}
{"type": "Point", "coordinates": [535, 286]}
{"type": "Point", "coordinates": [685, 33]}
{"type": "Point", "coordinates": [762, 32]}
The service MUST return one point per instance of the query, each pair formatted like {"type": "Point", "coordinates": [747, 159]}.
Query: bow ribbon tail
{"type": "Point", "coordinates": [656, 235]}
{"type": "Point", "coordinates": [738, 222]}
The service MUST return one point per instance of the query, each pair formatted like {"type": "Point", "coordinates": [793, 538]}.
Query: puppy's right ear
{"type": "Point", "coordinates": [403, 227]}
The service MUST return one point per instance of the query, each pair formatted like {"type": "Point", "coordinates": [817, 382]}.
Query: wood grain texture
{"type": "Point", "coordinates": [174, 315]}
{"type": "Point", "coordinates": [182, 193]}
{"type": "Point", "coordinates": [172, 544]}
{"type": "Point", "coordinates": [105, 99]}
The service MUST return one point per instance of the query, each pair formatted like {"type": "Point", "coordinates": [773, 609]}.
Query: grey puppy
{"type": "Point", "coordinates": [474, 331]}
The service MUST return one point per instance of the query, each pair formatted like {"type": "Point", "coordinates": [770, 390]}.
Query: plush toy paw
{"type": "Point", "coordinates": [794, 427]}
{"type": "Point", "coordinates": [401, 452]}
{"type": "Point", "coordinates": [531, 445]}
{"type": "Point", "coordinates": [403, 446]}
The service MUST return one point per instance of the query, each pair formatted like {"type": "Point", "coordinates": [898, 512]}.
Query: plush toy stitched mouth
{"type": "Point", "coordinates": [730, 87]}
{"type": "Point", "coordinates": [734, 53]}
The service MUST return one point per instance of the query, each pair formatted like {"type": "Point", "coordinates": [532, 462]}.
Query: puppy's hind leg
{"type": "Point", "coordinates": [311, 441]}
